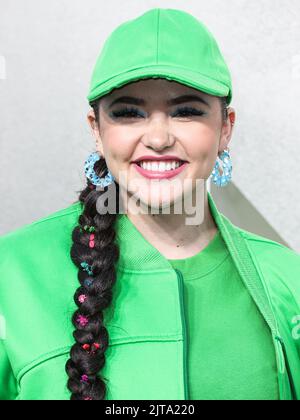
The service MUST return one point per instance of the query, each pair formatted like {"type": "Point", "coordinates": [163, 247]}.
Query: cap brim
{"type": "Point", "coordinates": [185, 76]}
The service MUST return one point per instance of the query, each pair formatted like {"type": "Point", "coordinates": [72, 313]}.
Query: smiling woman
{"type": "Point", "coordinates": [166, 306]}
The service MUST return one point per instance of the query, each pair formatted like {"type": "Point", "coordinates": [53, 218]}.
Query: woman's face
{"type": "Point", "coordinates": [152, 121]}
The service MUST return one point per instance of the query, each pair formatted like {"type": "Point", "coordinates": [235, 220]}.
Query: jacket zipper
{"type": "Point", "coordinates": [184, 332]}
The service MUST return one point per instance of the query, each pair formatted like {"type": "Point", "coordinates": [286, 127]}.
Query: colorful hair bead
{"type": "Point", "coordinates": [91, 348]}
{"type": "Point", "coordinates": [88, 282]}
{"type": "Point", "coordinates": [86, 347]}
{"type": "Point", "coordinates": [87, 268]}
{"type": "Point", "coordinates": [89, 228]}
{"type": "Point", "coordinates": [92, 240]}
{"type": "Point", "coordinates": [95, 347]}
{"type": "Point", "coordinates": [88, 399]}
{"type": "Point", "coordinates": [84, 379]}
{"type": "Point", "coordinates": [82, 320]}
{"type": "Point", "coordinates": [82, 298]}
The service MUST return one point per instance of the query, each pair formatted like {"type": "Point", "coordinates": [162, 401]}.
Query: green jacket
{"type": "Point", "coordinates": [146, 358]}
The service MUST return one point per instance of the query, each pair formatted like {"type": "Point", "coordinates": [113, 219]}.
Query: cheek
{"type": "Point", "coordinates": [118, 146]}
{"type": "Point", "coordinates": [202, 143]}
{"type": "Point", "coordinates": [202, 148]}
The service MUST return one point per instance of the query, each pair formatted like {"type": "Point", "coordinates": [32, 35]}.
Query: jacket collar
{"type": "Point", "coordinates": [138, 254]}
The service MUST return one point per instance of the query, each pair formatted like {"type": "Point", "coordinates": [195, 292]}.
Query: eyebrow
{"type": "Point", "coordinates": [174, 101]}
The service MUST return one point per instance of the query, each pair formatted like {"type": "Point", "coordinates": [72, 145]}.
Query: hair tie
{"type": "Point", "coordinates": [82, 320]}
{"type": "Point", "coordinates": [88, 398]}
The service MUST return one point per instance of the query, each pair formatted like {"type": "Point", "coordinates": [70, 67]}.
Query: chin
{"type": "Point", "coordinates": [156, 203]}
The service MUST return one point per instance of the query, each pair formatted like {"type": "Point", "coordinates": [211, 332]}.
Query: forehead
{"type": "Point", "coordinates": [158, 89]}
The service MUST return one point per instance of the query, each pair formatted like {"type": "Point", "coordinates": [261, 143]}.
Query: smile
{"type": "Point", "coordinates": [160, 170]}
{"type": "Point", "coordinates": [160, 166]}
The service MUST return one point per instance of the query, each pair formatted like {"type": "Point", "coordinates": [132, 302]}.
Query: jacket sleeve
{"type": "Point", "coordinates": [8, 386]}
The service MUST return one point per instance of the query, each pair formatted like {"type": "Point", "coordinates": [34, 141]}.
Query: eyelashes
{"type": "Point", "coordinates": [127, 113]}
{"type": "Point", "coordinates": [186, 111]}
{"type": "Point", "coordinates": [130, 112]}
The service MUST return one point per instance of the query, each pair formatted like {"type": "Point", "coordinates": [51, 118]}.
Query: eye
{"type": "Point", "coordinates": [127, 113]}
{"type": "Point", "coordinates": [187, 111]}
{"type": "Point", "coordinates": [130, 112]}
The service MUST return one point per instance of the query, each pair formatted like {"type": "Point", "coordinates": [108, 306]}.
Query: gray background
{"type": "Point", "coordinates": [47, 53]}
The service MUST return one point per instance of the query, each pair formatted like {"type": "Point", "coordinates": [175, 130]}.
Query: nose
{"type": "Point", "coordinates": [158, 135]}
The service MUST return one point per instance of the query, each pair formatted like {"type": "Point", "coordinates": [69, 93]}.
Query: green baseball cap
{"type": "Point", "coordinates": [161, 43]}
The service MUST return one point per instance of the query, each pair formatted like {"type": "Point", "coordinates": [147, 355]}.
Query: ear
{"type": "Point", "coordinates": [227, 129]}
{"type": "Point", "coordinates": [95, 130]}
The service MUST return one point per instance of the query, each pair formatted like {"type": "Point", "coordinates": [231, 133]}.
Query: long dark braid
{"type": "Point", "coordinates": [87, 355]}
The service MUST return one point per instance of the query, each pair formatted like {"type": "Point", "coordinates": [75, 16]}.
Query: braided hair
{"type": "Point", "coordinates": [95, 253]}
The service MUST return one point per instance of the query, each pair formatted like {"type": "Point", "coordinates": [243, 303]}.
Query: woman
{"type": "Point", "coordinates": [166, 305]}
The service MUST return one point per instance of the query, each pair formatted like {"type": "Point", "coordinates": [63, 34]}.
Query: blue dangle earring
{"type": "Point", "coordinates": [225, 178]}
{"type": "Point", "coordinates": [91, 174]}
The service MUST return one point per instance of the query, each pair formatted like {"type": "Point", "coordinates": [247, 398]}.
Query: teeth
{"type": "Point", "coordinates": [159, 166]}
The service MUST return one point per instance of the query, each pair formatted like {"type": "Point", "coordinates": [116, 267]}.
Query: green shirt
{"type": "Point", "coordinates": [231, 355]}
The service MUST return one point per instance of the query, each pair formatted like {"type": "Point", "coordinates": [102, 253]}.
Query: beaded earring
{"type": "Point", "coordinates": [91, 174]}
{"type": "Point", "coordinates": [224, 179]}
